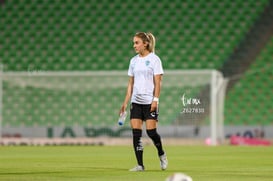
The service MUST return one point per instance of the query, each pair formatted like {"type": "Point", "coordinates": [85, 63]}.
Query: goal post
{"type": "Point", "coordinates": [218, 90]}
{"type": "Point", "coordinates": [38, 103]}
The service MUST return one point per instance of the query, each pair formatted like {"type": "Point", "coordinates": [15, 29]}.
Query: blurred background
{"type": "Point", "coordinates": [41, 38]}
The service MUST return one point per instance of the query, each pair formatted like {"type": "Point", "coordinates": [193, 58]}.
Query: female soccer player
{"type": "Point", "coordinates": [145, 74]}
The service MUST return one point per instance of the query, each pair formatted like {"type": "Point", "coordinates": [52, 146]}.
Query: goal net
{"type": "Point", "coordinates": [86, 104]}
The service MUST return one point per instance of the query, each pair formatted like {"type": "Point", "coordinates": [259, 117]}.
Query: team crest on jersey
{"type": "Point", "coordinates": [147, 62]}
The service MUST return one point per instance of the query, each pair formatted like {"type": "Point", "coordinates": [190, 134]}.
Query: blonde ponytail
{"type": "Point", "coordinates": [151, 47]}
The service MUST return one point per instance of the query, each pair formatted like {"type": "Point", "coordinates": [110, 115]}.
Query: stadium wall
{"type": "Point", "coordinates": [183, 132]}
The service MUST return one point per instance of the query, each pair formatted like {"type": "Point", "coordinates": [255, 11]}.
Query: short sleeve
{"type": "Point", "coordinates": [130, 69]}
{"type": "Point", "coordinates": [158, 69]}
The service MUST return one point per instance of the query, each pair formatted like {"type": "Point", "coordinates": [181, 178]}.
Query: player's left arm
{"type": "Point", "coordinates": [157, 88]}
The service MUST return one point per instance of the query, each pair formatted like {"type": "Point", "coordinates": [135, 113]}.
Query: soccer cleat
{"type": "Point", "coordinates": [163, 161]}
{"type": "Point", "coordinates": [138, 168]}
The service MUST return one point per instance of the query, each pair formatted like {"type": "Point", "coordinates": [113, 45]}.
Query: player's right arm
{"type": "Point", "coordinates": [128, 94]}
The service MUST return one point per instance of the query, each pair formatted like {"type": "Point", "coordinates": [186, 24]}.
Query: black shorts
{"type": "Point", "coordinates": [142, 111]}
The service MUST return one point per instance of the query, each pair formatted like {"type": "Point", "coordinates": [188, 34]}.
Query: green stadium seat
{"type": "Point", "coordinates": [69, 36]}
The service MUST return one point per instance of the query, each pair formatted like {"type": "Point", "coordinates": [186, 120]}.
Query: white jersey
{"type": "Point", "coordinates": [143, 70]}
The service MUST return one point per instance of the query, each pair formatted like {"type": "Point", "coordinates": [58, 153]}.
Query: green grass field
{"type": "Point", "coordinates": [202, 163]}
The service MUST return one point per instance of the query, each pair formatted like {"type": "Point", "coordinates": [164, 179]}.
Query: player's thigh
{"type": "Point", "coordinates": [136, 123]}
{"type": "Point", "coordinates": [151, 124]}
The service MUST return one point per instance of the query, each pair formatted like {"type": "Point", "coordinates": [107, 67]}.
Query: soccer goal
{"type": "Point", "coordinates": [197, 96]}
{"type": "Point", "coordinates": [38, 103]}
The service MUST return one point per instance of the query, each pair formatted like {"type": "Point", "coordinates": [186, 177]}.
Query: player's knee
{"type": "Point", "coordinates": [151, 133]}
{"type": "Point", "coordinates": [137, 132]}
